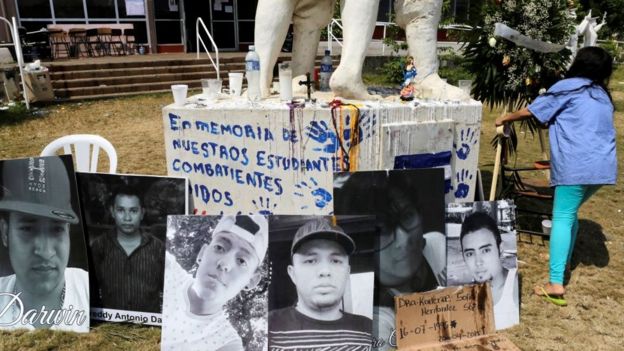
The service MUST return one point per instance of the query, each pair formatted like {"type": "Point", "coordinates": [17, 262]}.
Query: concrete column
{"type": "Point", "coordinates": [150, 16]}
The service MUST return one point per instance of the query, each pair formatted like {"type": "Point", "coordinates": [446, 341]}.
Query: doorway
{"type": "Point", "coordinates": [231, 23]}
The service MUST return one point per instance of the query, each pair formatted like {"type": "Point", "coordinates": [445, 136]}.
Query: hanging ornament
{"type": "Point", "coordinates": [492, 42]}
{"type": "Point", "coordinates": [528, 81]}
{"type": "Point", "coordinates": [542, 91]}
{"type": "Point", "coordinates": [506, 60]}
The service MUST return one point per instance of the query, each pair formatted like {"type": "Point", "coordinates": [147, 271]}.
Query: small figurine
{"type": "Point", "coordinates": [409, 75]}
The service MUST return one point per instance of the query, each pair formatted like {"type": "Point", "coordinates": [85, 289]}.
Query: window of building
{"type": "Point", "coordinates": [69, 9]}
{"type": "Point", "coordinates": [101, 8]}
{"type": "Point", "coordinates": [34, 8]}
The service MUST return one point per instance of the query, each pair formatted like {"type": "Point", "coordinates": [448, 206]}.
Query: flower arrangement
{"type": "Point", "coordinates": [507, 74]}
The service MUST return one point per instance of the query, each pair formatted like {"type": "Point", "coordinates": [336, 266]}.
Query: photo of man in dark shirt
{"type": "Point", "coordinates": [320, 270]}
{"type": "Point", "coordinates": [129, 261]}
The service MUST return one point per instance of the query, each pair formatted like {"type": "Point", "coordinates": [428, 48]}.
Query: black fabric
{"type": "Point", "coordinates": [131, 283]}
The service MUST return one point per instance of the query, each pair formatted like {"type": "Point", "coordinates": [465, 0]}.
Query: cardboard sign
{"type": "Point", "coordinates": [441, 316]}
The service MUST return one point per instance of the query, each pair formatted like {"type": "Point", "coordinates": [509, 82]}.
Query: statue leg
{"type": "Point", "coordinates": [420, 20]}
{"type": "Point", "coordinates": [310, 17]}
{"type": "Point", "coordinates": [358, 21]}
{"type": "Point", "coordinates": [272, 22]}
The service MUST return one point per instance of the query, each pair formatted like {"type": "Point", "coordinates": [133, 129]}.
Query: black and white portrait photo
{"type": "Point", "coordinates": [410, 252]}
{"type": "Point", "coordinates": [321, 293]}
{"type": "Point", "coordinates": [126, 219]}
{"type": "Point", "coordinates": [44, 279]}
{"type": "Point", "coordinates": [482, 248]}
{"type": "Point", "coordinates": [216, 283]}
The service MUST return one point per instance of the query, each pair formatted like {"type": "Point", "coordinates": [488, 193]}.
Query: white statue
{"type": "Point", "coordinates": [419, 18]}
{"type": "Point", "coordinates": [589, 28]}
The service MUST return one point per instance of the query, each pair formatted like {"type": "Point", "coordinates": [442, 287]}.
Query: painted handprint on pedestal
{"type": "Point", "coordinates": [467, 141]}
{"type": "Point", "coordinates": [264, 206]}
{"type": "Point", "coordinates": [322, 134]}
{"type": "Point", "coordinates": [321, 196]}
{"type": "Point", "coordinates": [463, 177]}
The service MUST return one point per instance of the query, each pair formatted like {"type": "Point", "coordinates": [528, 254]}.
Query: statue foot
{"type": "Point", "coordinates": [433, 87]}
{"type": "Point", "coordinates": [349, 85]}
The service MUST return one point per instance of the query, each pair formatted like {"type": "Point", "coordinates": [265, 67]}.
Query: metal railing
{"type": "Point", "coordinates": [214, 45]}
{"type": "Point", "coordinates": [331, 37]}
{"type": "Point", "coordinates": [330, 34]}
{"type": "Point", "coordinates": [18, 54]}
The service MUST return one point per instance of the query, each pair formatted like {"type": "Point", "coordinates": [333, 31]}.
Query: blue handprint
{"type": "Point", "coordinates": [321, 133]}
{"type": "Point", "coordinates": [467, 142]}
{"type": "Point", "coordinates": [264, 206]}
{"type": "Point", "coordinates": [321, 196]}
{"type": "Point", "coordinates": [462, 188]}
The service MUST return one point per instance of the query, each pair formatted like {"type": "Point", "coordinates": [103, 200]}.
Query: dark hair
{"type": "Point", "coordinates": [476, 221]}
{"type": "Point", "coordinates": [595, 64]}
{"type": "Point", "coordinates": [127, 191]}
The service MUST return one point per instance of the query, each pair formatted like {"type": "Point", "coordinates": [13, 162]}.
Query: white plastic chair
{"type": "Point", "coordinates": [86, 149]}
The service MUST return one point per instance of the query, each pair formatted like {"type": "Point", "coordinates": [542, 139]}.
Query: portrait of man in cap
{"type": "Point", "coordinates": [36, 212]}
{"type": "Point", "coordinates": [320, 269]}
{"type": "Point", "coordinates": [228, 263]}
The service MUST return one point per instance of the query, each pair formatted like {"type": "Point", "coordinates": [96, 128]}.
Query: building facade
{"type": "Point", "coordinates": [161, 25]}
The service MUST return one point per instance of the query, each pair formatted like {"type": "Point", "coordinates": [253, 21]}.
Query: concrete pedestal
{"type": "Point", "coordinates": [268, 157]}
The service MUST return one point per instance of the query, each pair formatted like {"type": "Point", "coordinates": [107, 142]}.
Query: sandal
{"type": "Point", "coordinates": [552, 298]}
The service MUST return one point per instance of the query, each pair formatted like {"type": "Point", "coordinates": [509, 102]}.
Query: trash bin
{"type": "Point", "coordinates": [38, 84]}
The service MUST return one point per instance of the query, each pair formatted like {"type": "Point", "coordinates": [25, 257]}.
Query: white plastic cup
{"type": "Point", "coordinates": [285, 81]}
{"type": "Point", "coordinates": [211, 88]}
{"type": "Point", "coordinates": [465, 85]}
{"type": "Point", "coordinates": [236, 83]}
{"type": "Point", "coordinates": [546, 226]}
{"type": "Point", "coordinates": [179, 94]}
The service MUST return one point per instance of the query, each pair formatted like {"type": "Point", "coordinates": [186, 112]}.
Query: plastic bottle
{"type": "Point", "coordinates": [252, 72]}
{"type": "Point", "coordinates": [326, 72]}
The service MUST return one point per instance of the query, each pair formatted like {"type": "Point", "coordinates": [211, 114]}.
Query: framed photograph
{"type": "Point", "coordinates": [482, 247]}
{"type": "Point", "coordinates": [410, 250]}
{"type": "Point", "coordinates": [44, 279]}
{"type": "Point", "coordinates": [216, 283]}
{"type": "Point", "coordinates": [126, 219]}
{"type": "Point", "coordinates": [322, 282]}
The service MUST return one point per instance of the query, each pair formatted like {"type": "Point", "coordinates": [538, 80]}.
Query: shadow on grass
{"type": "Point", "coordinates": [18, 114]}
{"type": "Point", "coordinates": [590, 248]}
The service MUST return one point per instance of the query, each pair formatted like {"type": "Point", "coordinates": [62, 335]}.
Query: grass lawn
{"type": "Point", "coordinates": [591, 321]}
